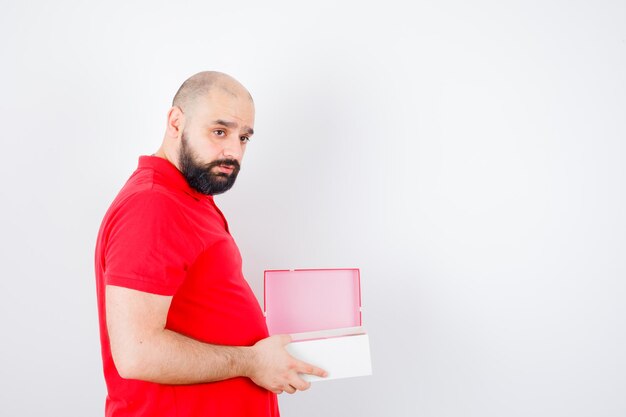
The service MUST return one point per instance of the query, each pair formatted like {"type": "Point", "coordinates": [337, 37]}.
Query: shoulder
{"type": "Point", "coordinates": [148, 209]}
{"type": "Point", "coordinates": [149, 200]}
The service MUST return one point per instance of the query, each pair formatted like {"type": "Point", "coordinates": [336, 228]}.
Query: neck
{"type": "Point", "coordinates": [162, 152]}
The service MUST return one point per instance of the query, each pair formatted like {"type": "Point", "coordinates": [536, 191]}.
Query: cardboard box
{"type": "Point", "coordinates": [321, 310]}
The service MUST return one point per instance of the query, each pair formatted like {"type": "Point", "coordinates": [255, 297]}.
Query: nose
{"type": "Point", "coordinates": [233, 148]}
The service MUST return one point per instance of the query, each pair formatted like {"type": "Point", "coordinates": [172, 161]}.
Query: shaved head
{"type": "Point", "coordinates": [201, 84]}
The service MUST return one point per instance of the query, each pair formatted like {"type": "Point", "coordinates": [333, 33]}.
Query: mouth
{"type": "Point", "coordinates": [226, 169]}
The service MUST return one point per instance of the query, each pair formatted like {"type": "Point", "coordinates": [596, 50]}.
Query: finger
{"type": "Point", "coordinates": [299, 383]}
{"type": "Point", "coordinates": [277, 391]}
{"type": "Point", "coordinates": [290, 389]}
{"type": "Point", "coordinates": [307, 368]}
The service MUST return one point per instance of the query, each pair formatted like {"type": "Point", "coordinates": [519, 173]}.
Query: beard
{"type": "Point", "coordinates": [200, 176]}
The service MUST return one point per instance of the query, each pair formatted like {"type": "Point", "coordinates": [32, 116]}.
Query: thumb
{"type": "Point", "coordinates": [285, 339]}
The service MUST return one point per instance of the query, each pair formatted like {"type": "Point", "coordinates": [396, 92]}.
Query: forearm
{"type": "Point", "coordinates": [167, 357]}
{"type": "Point", "coordinates": [143, 349]}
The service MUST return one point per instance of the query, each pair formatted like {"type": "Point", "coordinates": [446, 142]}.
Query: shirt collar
{"type": "Point", "coordinates": [169, 174]}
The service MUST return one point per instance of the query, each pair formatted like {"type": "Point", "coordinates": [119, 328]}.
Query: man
{"type": "Point", "coordinates": [182, 333]}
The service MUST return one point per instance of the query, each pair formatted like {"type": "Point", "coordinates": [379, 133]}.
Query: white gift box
{"type": "Point", "coordinates": [321, 310]}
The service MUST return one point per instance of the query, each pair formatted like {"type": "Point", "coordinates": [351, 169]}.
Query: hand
{"type": "Point", "coordinates": [275, 370]}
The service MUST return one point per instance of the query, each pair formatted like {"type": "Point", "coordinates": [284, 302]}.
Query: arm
{"type": "Point", "coordinates": [144, 349]}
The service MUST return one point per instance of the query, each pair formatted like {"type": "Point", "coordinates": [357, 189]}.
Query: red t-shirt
{"type": "Point", "coordinates": [161, 236]}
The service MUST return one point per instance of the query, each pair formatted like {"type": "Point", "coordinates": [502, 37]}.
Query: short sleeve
{"type": "Point", "coordinates": [150, 244]}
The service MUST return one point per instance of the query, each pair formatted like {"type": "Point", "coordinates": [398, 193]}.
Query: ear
{"type": "Point", "coordinates": [175, 122]}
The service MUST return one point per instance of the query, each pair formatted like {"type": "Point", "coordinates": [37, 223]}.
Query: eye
{"type": "Point", "coordinates": [219, 132]}
{"type": "Point", "coordinates": [244, 139]}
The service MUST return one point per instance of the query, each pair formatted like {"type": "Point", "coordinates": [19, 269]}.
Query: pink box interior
{"type": "Point", "coordinates": [305, 300]}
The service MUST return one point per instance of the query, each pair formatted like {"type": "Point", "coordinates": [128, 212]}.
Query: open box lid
{"type": "Point", "coordinates": [306, 300]}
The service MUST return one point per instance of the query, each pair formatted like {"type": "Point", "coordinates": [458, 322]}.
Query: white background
{"type": "Point", "coordinates": [467, 156]}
